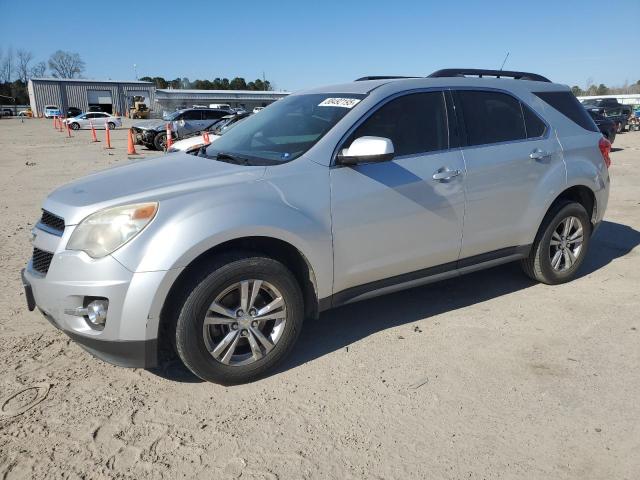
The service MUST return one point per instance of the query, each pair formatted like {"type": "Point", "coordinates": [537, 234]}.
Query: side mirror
{"type": "Point", "coordinates": [367, 150]}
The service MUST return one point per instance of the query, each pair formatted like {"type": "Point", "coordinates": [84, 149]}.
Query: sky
{"type": "Point", "coordinates": [302, 44]}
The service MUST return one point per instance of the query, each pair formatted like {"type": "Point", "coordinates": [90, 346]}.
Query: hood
{"type": "Point", "coordinates": [150, 124]}
{"type": "Point", "coordinates": [145, 180]}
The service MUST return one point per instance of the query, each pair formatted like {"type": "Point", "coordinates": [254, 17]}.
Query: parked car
{"type": "Point", "coordinates": [192, 143]}
{"type": "Point", "coordinates": [328, 197]}
{"type": "Point", "coordinates": [153, 133]}
{"type": "Point", "coordinates": [220, 106]}
{"type": "Point", "coordinates": [607, 127]}
{"type": "Point", "coordinates": [257, 109]}
{"type": "Point", "coordinates": [616, 115]}
{"type": "Point", "coordinates": [6, 112]}
{"type": "Point", "coordinates": [97, 119]}
{"type": "Point", "coordinates": [51, 111]}
{"type": "Point", "coordinates": [73, 112]}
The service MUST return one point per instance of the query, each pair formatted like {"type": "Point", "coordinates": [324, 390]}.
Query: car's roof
{"type": "Point", "coordinates": [400, 84]}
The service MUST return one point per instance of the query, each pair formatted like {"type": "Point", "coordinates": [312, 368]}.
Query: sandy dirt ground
{"type": "Point", "coordinates": [489, 376]}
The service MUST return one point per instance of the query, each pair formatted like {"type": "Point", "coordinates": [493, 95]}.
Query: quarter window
{"type": "Point", "coordinates": [491, 117]}
{"type": "Point", "coordinates": [415, 123]}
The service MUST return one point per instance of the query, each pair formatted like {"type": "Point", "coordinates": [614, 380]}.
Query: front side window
{"type": "Point", "coordinates": [415, 123]}
{"type": "Point", "coordinates": [285, 130]}
{"type": "Point", "coordinates": [491, 117]}
{"type": "Point", "coordinates": [192, 115]}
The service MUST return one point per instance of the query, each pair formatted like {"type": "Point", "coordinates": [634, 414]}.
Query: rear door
{"type": "Point", "coordinates": [508, 150]}
{"type": "Point", "coordinates": [394, 219]}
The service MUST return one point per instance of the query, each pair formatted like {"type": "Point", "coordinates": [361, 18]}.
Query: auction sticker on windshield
{"type": "Point", "coordinates": [339, 102]}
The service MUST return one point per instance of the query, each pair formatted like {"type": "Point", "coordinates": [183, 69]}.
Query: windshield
{"type": "Point", "coordinates": [170, 117]}
{"type": "Point", "coordinates": [284, 130]}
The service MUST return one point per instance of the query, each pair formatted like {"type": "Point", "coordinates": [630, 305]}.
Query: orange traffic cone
{"type": "Point", "coordinates": [55, 122]}
{"type": "Point", "coordinates": [131, 149]}
{"type": "Point", "coordinates": [205, 137]}
{"type": "Point", "coordinates": [93, 132]}
{"type": "Point", "coordinates": [107, 135]}
{"type": "Point", "coordinates": [68, 130]}
{"type": "Point", "coordinates": [60, 124]}
{"type": "Point", "coordinates": [169, 140]}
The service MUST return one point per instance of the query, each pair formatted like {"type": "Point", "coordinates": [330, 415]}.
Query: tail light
{"type": "Point", "coordinates": [605, 149]}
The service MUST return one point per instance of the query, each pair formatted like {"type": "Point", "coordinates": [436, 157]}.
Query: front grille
{"type": "Point", "coordinates": [41, 260]}
{"type": "Point", "coordinates": [52, 221]}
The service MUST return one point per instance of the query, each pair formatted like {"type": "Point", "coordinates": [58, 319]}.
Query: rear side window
{"type": "Point", "coordinates": [535, 127]}
{"type": "Point", "coordinates": [568, 105]}
{"type": "Point", "coordinates": [491, 117]}
{"type": "Point", "coordinates": [415, 123]}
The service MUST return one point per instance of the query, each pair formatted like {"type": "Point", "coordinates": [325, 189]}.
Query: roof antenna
{"type": "Point", "coordinates": [505, 61]}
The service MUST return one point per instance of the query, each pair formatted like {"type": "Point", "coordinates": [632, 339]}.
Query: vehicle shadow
{"type": "Point", "coordinates": [340, 327]}
{"type": "Point", "coordinates": [616, 149]}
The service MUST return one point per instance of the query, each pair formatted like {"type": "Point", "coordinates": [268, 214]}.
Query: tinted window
{"type": "Point", "coordinates": [568, 105]}
{"type": "Point", "coordinates": [192, 115]}
{"type": "Point", "coordinates": [535, 126]}
{"type": "Point", "coordinates": [491, 117]}
{"type": "Point", "coordinates": [415, 123]}
{"type": "Point", "coordinates": [213, 114]}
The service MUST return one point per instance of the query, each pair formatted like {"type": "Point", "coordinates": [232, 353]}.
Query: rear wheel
{"type": "Point", "coordinates": [560, 246]}
{"type": "Point", "coordinates": [112, 126]}
{"type": "Point", "coordinates": [240, 319]}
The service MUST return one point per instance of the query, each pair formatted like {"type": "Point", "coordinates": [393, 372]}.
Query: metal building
{"type": "Point", "coordinates": [169, 99]}
{"type": "Point", "coordinates": [106, 95]}
{"type": "Point", "coordinates": [117, 96]}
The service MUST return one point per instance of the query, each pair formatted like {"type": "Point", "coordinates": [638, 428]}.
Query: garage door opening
{"type": "Point", "coordinates": [100, 101]}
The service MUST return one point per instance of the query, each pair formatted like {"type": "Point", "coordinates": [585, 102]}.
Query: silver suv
{"type": "Point", "coordinates": [326, 197]}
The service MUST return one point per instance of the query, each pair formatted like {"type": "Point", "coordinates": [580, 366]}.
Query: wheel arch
{"type": "Point", "coordinates": [581, 194]}
{"type": "Point", "coordinates": [275, 248]}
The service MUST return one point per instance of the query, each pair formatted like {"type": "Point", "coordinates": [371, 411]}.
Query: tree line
{"type": "Point", "coordinates": [17, 67]}
{"type": "Point", "coordinates": [597, 90]}
{"type": "Point", "coordinates": [237, 83]}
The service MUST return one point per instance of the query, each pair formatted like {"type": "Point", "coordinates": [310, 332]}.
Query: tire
{"type": "Point", "coordinates": [201, 348]}
{"type": "Point", "coordinates": [160, 140]}
{"type": "Point", "coordinates": [538, 265]}
{"type": "Point", "coordinates": [112, 126]}
{"type": "Point", "coordinates": [74, 126]}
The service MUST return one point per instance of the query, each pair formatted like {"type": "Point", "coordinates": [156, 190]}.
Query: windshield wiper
{"type": "Point", "coordinates": [233, 158]}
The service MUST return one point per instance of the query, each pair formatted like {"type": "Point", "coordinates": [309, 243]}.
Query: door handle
{"type": "Point", "coordinates": [538, 154]}
{"type": "Point", "coordinates": [444, 173]}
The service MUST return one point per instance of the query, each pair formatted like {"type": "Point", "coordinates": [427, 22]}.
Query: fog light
{"type": "Point", "coordinates": [97, 312]}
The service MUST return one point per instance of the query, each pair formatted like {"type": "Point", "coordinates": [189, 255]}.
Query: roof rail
{"type": "Point", "coordinates": [379, 77]}
{"type": "Point", "coordinates": [461, 72]}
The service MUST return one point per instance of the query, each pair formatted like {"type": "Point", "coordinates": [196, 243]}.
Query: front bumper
{"type": "Point", "coordinates": [129, 337]}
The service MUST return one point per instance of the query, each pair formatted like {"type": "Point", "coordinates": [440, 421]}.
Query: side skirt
{"type": "Point", "coordinates": [425, 276]}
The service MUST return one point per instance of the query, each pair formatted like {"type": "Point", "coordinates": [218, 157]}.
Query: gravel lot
{"type": "Point", "coordinates": [488, 376]}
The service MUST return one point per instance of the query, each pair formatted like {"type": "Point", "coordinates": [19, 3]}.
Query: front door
{"type": "Point", "coordinates": [394, 218]}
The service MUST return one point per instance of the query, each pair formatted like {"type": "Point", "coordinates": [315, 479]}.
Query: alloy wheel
{"type": "Point", "coordinates": [244, 322]}
{"type": "Point", "coordinates": [566, 242]}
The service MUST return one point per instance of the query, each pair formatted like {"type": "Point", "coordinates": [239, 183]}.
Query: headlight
{"type": "Point", "coordinates": [107, 230]}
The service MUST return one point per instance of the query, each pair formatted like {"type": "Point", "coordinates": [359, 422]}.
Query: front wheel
{"type": "Point", "coordinates": [160, 141]}
{"type": "Point", "coordinates": [560, 246]}
{"type": "Point", "coordinates": [240, 319]}
{"type": "Point", "coordinates": [75, 126]}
